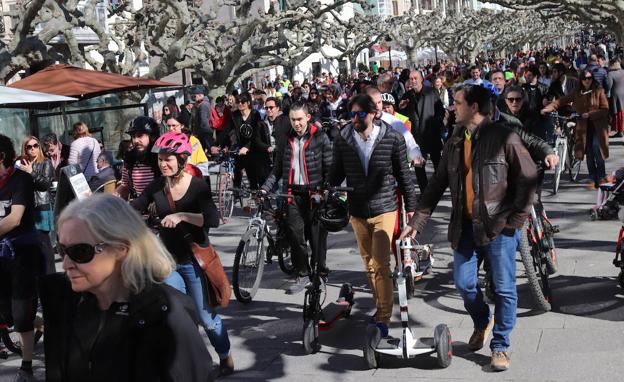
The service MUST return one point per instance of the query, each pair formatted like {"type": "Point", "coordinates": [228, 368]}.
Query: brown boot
{"type": "Point", "coordinates": [478, 338]}
{"type": "Point", "coordinates": [500, 361]}
{"type": "Point", "coordinates": [226, 366]}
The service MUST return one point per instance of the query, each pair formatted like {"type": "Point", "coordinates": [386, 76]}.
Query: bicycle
{"type": "Point", "coordinates": [258, 246]}
{"type": "Point", "coordinates": [564, 148]}
{"type": "Point", "coordinates": [225, 181]}
{"type": "Point", "coordinates": [538, 254]}
{"type": "Point", "coordinates": [10, 341]}
{"type": "Point", "coordinates": [315, 316]}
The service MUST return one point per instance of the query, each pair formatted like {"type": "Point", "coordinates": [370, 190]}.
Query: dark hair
{"type": "Point", "coordinates": [559, 67]}
{"type": "Point", "coordinates": [50, 139]}
{"type": "Point", "coordinates": [7, 151]}
{"type": "Point", "coordinates": [476, 94]}
{"type": "Point", "coordinates": [106, 157]}
{"type": "Point", "coordinates": [123, 149]}
{"type": "Point", "coordinates": [364, 101]}
{"type": "Point", "coordinates": [274, 99]}
{"type": "Point", "coordinates": [220, 99]}
{"type": "Point", "coordinates": [493, 72]}
{"type": "Point", "coordinates": [534, 70]}
{"type": "Point", "coordinates": [298, 105]}
{"type": "Point", "coordinates": [473, 67]}
{"type": "Point", "coordinates": [244, 97]}
{"type": "Point", "coordinates": [514, 88]}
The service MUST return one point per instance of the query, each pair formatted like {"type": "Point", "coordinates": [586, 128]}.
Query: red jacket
{"type": "Point", "coordinates": [220, 122]}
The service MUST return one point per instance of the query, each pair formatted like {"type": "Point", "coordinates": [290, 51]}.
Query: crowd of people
{"type": "Point", "coordinates": [120, 310]}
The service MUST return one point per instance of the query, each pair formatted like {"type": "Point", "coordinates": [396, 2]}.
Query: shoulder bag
{"type": "Point", "coordinates": [217, 286]}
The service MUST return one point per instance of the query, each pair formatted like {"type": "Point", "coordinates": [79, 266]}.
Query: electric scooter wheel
{"type": "Point", "coordinates": [311, 337]}
{"type": "Point", "coordinates": [621, 279]}
{"type": "Point", "coordinates": [372, 359]}
{"type": "Point", "coordinates": [443, 345]}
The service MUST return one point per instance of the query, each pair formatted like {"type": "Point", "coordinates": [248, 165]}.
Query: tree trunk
{"type": "Point", "coordinates": [353, 63]}
{"type": "Point", "coordinates": [412, 54]}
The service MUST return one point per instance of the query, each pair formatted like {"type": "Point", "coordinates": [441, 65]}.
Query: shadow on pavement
{"type": "Point", "coordinates": [591, 297]}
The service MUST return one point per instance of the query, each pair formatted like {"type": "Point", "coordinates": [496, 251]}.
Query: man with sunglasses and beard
{"type": "Point", "coordinates": [21, 258]}
{"type": "Point", "coordinates": [372, 157]}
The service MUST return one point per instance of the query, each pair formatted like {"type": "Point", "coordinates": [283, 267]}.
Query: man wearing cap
{"type": "Point", "coordinates": [202, 127]}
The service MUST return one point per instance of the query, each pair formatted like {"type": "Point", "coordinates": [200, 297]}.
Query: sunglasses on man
{"type": "Point", "coordinates": [360, 114]}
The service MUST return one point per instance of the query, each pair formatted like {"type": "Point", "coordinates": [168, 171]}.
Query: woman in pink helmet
{"type": "Point", "coordinates": [195, 213]}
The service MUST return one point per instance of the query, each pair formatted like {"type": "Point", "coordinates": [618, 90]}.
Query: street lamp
{"type": "Point", "coordinates": [388, 41]}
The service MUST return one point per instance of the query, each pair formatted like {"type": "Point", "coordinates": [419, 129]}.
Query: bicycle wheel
{"type": "Point", "coordinates": [311, 342]}
{"type": "Point", "coordinates": [11, 341]}
{"type": "Point", "coordinates": [248, 265]}
{"type": "Point", "coordinates": [226, 197]}
{"type": "Point", "coordinates": [574, 165]}
{"type": "Point", "coordinates": [284, 258]}
{"type": "Point", "coordinates": [535, 270]}
{"type": "Point", "coordinates": [561, 151]}
{"type": "Point", "coordinates": [550, 258]}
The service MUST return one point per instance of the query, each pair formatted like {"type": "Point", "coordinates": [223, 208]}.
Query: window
{"type": "Point", "coordinates": [426, 5]}
{"type": "Point", "coordinates": [395, 8]}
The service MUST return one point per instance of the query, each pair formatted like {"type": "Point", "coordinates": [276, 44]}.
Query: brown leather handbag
{"type": "Point", "coordinates": [217, 283]}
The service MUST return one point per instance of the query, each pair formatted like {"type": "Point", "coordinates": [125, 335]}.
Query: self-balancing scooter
{"type": "Point", "coordinates": [407, 346]}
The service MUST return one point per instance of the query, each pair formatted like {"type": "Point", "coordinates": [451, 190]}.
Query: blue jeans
{"type": "Point", "coordinates": [187, 278]}
{"type": "Point", "coordinates": [501, 254]}
{"type": "Point", "coordinates": [595, 163]}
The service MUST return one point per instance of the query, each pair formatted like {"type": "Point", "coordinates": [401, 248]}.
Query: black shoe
{"type": "Point", "coordinates": [323, 270]}
{"type": "Point", "coordinates": [299, 285]}
{"type": "Point", "coordinates": [226, 366]}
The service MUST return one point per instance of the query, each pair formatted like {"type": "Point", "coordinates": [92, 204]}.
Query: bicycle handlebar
{"type": "Point", "coordinates": [309, 188]}
{"type": "Point", "coordinates": [555, 114]}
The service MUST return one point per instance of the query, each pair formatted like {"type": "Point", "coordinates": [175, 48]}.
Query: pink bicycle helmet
{"type": "Point", "coordinates": [172, 143]}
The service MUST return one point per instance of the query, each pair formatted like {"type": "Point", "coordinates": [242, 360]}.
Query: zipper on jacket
{"type": "Point", "coordinates": [103, 317]}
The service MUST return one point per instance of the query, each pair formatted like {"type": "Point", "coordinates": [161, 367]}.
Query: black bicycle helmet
{"type": "Point", "coordinates": [334, 215]}
{"type": "Point", "coordinates": [143, 124]}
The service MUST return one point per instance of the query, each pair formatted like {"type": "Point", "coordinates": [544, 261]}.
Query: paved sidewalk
{"type": "Point", "coordinates": [581, 339]}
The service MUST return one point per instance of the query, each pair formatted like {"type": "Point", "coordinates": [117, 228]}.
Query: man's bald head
{"type": "Point", "coordinates": [415, 79]}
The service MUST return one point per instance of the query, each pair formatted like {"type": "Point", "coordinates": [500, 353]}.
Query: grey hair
{"type": "Point", "coordinates": [113, 221]}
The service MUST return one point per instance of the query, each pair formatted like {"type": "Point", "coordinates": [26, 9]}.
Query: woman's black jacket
{"type": "Point", "coordinates": [153, 337]}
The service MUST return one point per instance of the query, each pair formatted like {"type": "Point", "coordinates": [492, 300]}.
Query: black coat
{"type": "Point", "coordinates": [43, 176]}
{"type": "Point", "coordinates": [104, 176]}
{"type": "Point", "coordinates": [318, 157]}
{"type": "Point", "coordinates": [426, 114]}
{"type": "Point", "coordinates": [153, 338]}
{"type": "Point", "coordinates": [257, 143]}
{"type": "Point", "coordinates": [281, 129]}
{"type": "Point", "coordinates": [375, 193]}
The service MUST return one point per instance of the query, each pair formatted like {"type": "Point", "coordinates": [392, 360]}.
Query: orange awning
{"type": "Point", "coordinates": [71, 81]}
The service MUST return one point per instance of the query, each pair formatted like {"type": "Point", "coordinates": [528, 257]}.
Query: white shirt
{"type": "Point", "coordinates": [413, 150]}
{"type": "Point", "coordinates": [365, 147]}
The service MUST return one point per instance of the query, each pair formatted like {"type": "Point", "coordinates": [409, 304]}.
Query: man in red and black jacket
{"type": "Point", "coordinates": [305, 159]}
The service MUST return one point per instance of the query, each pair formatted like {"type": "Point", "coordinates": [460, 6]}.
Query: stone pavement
{"type": "Point", "coordinates": [581, 339]}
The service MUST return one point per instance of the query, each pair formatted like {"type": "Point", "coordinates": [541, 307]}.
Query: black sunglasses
{"type": "Point", "coordinates": [35, 146]}
{"type": "Point", "coordinates": [514, 99]}
{"type": "Point", "coordinates": [588, 78]}
{"type": "Point", "coordinates": [360, 114]}
{"type": "Point", "coordinates": [80, 253]}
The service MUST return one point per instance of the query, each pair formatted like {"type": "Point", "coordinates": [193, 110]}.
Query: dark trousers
{"type": "Point", "coordinates": [256, 167]}
{"type": "Point", "coordinates": [300, 230]}
{"type": "Point", "coordinates": [421, 174]}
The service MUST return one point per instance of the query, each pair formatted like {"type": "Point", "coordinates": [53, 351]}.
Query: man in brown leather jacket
{"type": "Point", "coordinates": [492, 179]}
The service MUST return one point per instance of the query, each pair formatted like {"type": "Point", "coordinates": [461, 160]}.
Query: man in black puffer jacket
{"type": "Point", "coordinates": [304, 159]}
{"type": "Point", "coordinates": [373, 159]}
